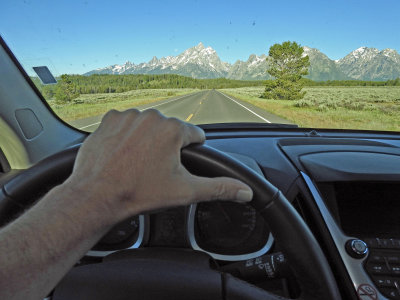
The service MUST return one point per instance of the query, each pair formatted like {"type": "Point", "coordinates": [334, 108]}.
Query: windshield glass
{"type": "Point", "coordinates": [315, 64]}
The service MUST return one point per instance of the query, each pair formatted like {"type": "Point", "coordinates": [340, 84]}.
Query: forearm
{"type": "Point", "coordinates": [37, 249]}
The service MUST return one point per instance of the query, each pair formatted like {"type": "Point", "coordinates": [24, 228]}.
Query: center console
{"type": "Point", "coordinates": [356, 188]}
{"type": "Point", "coordinates": [370, 211]}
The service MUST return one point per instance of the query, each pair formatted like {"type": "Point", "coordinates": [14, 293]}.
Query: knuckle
{"type": "Point", "coordinates": [131, 112]}
{"type": "Point", "coordinates": [220, 191]}
{"type": "Point", "coordinates": [152, 113]}
{"type": "Point", "coordinates": [111, 114]}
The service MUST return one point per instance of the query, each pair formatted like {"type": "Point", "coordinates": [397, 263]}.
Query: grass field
{"type": "Point", "coordinates": [88, 105]}
{"type": "Point", "coordinates": [371, 108]}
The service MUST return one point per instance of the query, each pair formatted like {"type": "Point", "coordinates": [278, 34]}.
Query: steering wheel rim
{"type": "Point", "coordinates": [290, 231]}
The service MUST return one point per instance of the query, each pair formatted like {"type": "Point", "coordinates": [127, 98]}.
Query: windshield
{"type": "Point", "coordinates": [316, 64]}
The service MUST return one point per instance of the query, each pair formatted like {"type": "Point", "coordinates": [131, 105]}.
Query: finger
{"type": "Point", "coordinates": [131, 112]}
{"type": "Point", "coordinates": [109, 116]}
{"type": "Point", "coordinates": [127, 119]}
{"type": "Point", "coordinates": [192, 134]}
{"type": "Point", "coordinates": [221, 188]}
{"type": "Point", "coordinates": [152, 113]}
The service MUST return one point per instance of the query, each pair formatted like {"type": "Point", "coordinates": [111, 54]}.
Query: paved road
{"type": "Point", "coordinates": [203, 107]}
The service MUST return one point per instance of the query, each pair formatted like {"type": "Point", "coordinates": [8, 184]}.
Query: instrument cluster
{"type": "Point", "coordinates": [225, 230]}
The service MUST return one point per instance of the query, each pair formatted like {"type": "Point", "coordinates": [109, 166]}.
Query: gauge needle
{"type": "Point", "coordinates": [224, 213]}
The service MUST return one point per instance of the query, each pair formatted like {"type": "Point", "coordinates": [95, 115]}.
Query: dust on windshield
{"type": "Point", "coordinates": [312, 64]}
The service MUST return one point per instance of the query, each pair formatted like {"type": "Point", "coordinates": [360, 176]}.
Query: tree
{"type": "Point", "coordinates": [66, 90]}
{"type": "Point", "coordinates": [287, 65]}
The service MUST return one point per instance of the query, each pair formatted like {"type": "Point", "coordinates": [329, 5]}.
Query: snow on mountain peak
{"type": "Point", "coordinates": [389, 52]}
{"type": "Point", "coordinates": [309, 50]}
{"type": "Point", "coordinates": [209, 51]}
{"type": "Point", "coordinates": [203, 62]}
{"type": "Point", "coordinates": [371, 64]}
{"type": "Point", "coordinates": [360, 50]}
{"type": "Point", "coordinates": [364, 52]}
{"type": "Point", "coordinates": [199, 46]}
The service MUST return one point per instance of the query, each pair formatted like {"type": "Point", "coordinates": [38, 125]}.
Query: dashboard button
{"type": "Point", "coordinates": [384, 282]}
{"type": "Point", "coordinates": [394, 259]}
{"type": "Point", "coordinates": [376, 258]}
{"type": "Point", "coordinates": [378, 269]}
{"type": "Point", "coordinates": [395, 243]}
{"type": "Point", "coordinates": [385, 243]}
{"type": "Point", "coordinates": [395, 270]}
{"type": "Point", "coordinates": [357, 248]}
{"type": "Point", "coordinates": [372, 242]}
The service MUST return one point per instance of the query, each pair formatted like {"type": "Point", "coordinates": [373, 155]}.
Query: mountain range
{"type": "Point", "coordinates": [203, 62]}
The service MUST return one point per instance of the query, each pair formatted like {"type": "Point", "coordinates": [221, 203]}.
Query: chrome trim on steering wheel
{"type": "Point", "coordinates": [353, 266]}
{"type": "Point", "coordinates": [137, 244]}
{"type": "Point", "coordinates": [195, 246]}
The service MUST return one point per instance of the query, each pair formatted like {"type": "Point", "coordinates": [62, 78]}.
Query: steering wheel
{"type": "Point", "coordinates": [154, 274]}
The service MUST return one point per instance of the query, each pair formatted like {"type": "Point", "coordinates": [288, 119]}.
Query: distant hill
{"type": "Point", "coordinates": [204, 63]}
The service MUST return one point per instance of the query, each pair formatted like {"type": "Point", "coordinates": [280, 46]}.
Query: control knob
{"type": "Point", "coordinates": [356, 248]}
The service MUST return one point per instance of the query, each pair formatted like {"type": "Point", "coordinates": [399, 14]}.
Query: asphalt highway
{"type": "Point", "coordinates": [204, 107]}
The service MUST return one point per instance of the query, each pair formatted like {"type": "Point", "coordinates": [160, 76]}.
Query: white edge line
{"type": "Point", "coordinates": [262, 118]}
{"type": "Point", "coordinates": [89, 125]}
{"type": "Point", "coordinates": [141, 109]}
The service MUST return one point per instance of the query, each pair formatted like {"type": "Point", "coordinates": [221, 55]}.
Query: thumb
{"type": "Point", "coordinates": [221, 188]}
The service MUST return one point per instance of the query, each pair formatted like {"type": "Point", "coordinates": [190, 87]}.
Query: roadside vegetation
{"type": "Point", "coordinates": [357, 107]}
{"type": "Point", "coordinates": [88, 105]}
{"type": "Point", "coordinates": [329, 104]}
{"type": "Point", "coordinates": [70, 86]}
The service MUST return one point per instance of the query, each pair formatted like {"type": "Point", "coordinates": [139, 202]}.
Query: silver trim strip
{"type": "Point", "coordinates": [195, 246]}
{"type": "Point", "coordinates": [354, 266]}
{"type": "Point", "coordinates": [137, 244]}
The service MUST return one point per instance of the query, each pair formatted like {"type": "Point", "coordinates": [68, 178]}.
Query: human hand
{"type": "Point", "coordinates": [132, 163]}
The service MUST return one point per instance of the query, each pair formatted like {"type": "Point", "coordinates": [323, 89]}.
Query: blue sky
{"type": "Point", "coordinates": [77, 36]}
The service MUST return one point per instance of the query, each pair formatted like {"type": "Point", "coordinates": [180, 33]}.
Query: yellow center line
{"type": "Point", "coordinates": [188, 118]}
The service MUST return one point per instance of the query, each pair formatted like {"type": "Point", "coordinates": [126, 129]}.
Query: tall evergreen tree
{"type": "Point", "coordinates": [287, 65]}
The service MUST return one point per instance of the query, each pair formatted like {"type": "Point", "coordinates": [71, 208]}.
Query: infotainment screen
{"type": "Point", "coordinates": [369, 209]}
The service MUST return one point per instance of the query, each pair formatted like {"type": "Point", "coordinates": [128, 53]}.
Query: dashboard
{"type": "Point", "coordinates": [345, 187]}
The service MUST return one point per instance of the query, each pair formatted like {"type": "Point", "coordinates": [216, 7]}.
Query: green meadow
{"type": "Point", "coordinates": [357, 107]}
{"type": "Point", "coordinates": [87, 105]}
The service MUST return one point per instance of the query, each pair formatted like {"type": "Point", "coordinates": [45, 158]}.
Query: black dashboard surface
{"type": "Point", "coordinates": [282, 160]}
{"type": "Point", "coordinates": [332, 159]}
{"type": "Point", "coordinates": [287, 158]}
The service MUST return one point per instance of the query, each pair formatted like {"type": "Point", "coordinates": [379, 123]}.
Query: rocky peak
{"type": "Point", "coordinates": [203, 62]}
